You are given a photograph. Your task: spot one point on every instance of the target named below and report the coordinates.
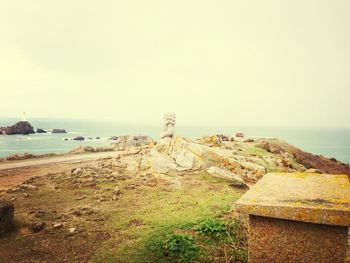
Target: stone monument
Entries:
(169, 125)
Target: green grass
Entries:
(255, 151)
(158, 211)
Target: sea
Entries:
(329, 142)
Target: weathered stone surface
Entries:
(286, 241)
(226, 175)
(121, 142)
(314, 198)
(21, 127)
(161, 163)
(6, 215)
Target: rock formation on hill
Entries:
(21, 127)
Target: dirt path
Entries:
(16, 172)
(56, 159)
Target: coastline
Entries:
(136, 189)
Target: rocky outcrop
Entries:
(309, 160)
(21, 127)
(58, 131)
(87, 149)
(6, 215)
(121, 142)
(39, 130)
(234, 179)
(79, 138)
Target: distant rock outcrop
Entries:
(309, 160)
(39, 130)
(58, 131)
(21, 127)
(79, 138)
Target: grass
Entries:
(132, 228)
(158, 211)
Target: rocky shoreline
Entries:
(143, 181)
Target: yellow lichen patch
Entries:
(309, 197)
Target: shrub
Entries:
(211, 226)
(180, 248)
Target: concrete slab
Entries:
(305, 197)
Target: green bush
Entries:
(180, 248)
(211, 226)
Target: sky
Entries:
(222, 62)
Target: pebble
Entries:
(57, 225)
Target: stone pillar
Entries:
(169, 125)
(6, 215)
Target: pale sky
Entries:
(219, 62)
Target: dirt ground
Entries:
(100, 214)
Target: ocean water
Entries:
(325, 141)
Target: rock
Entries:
(186, 159)
(79, 138)
(223, 138)
(37, 226)
(212, 141)
(186, 154)
(312, 170)
(84, 149)
(160, 163)
(57, 225)
(58, 131)
(240, 135)
(6, 215)
(249, 140)
(38, 130)
(116, 191)
(113, 138)
(21, 127)
(131, 141)
(98, 138)
(71, 230)
(76, 171)
(226, 175)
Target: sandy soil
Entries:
(16, 172)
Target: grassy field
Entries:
(148, 221)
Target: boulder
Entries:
(226, 175)
(39, 130)
(21, 127)
(160, 163)
(240, 135)
(6, 215)
(58, 131)
(79, 138)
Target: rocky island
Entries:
(21, 127)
